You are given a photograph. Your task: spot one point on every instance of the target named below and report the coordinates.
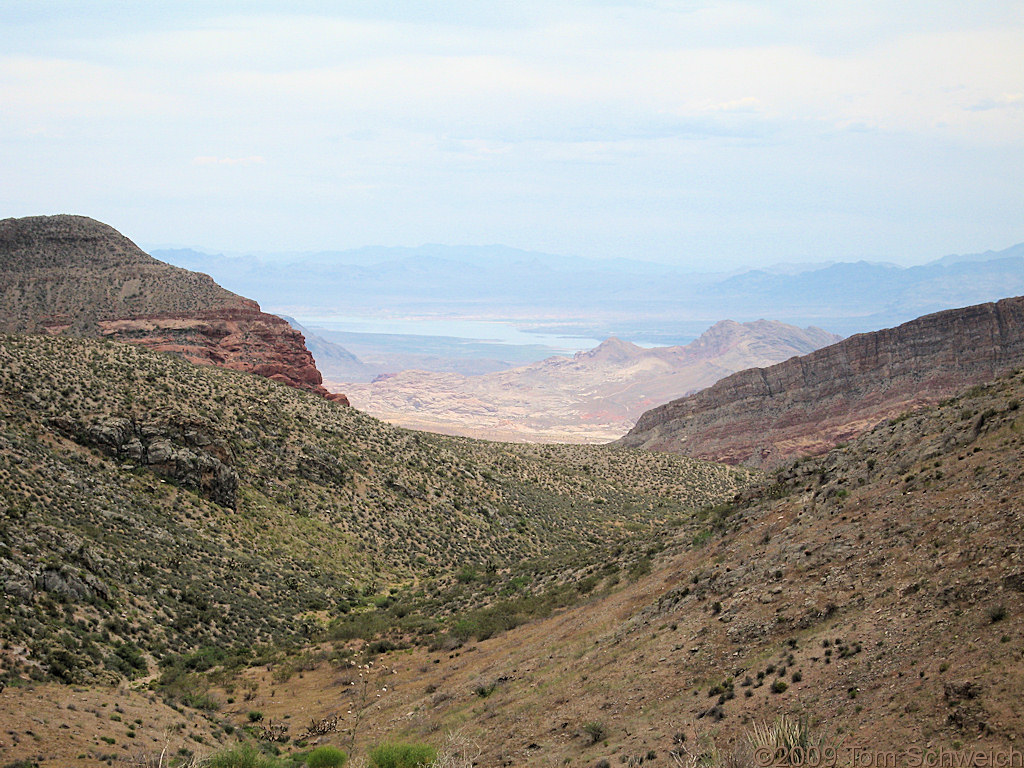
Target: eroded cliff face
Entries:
(74, 275)
(239, 339)
(765, 416)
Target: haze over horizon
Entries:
(718, 133)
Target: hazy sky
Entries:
(713, 132)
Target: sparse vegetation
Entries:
(786, 740)
(335, 511)
(595, 731)
(242, 756)
(849, 601)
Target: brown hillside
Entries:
(74, 275)
(804, 406)
(877, 592)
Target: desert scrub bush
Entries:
(363, 626)
(400, 755)
(640, 568)
(702, 538)
(595, 730)
(484, 690)
(458, 751)
(326, 757)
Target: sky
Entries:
(703, 134)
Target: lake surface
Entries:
(485, 331)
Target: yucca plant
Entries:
(784, 737)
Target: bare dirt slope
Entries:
(877, 591)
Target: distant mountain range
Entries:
(594, 396)
(633, 300)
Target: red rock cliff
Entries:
(807, 405)
(71, 274)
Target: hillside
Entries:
(172, 506)
(804, 406)
(69, 273)
(73, 275)
(877, 591)
(594, 396)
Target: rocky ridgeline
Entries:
(74, 275)
(765, 416)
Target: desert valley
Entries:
(205, 552)
(469, 384)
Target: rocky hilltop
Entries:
(74, 275)
(804, 406)
(594, 396)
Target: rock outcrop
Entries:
(74, 275)
(184, 453)
(807, 405)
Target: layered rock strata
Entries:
(763, 417)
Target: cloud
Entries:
(607, 119)
(210, 160)
(1006, 101)
(745, 104)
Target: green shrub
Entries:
(326, 757)
(243, 756)
(402, 756)
(641, 567)
(200, 700)
(483, 691)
